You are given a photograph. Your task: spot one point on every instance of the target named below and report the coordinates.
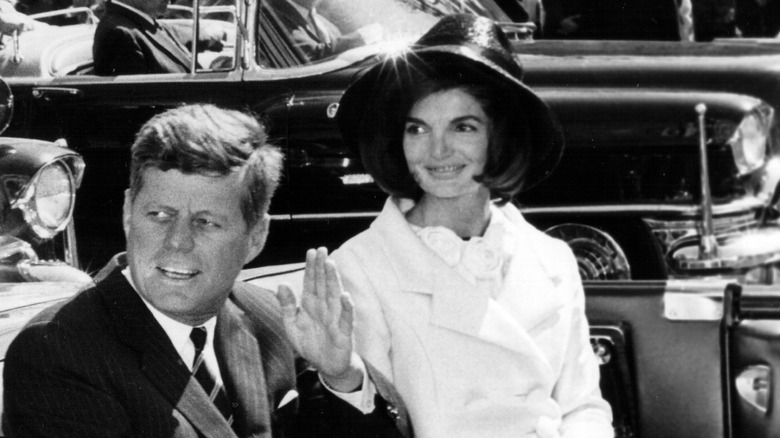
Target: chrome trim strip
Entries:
(694, 299)
(736, 206)
(310, 216)
(689, 210)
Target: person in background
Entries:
(758, 18)
(12, 21)
(316, 36)
(167, 343)
(130, 40)
(616, 19)
(477, 316)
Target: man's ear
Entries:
(127, 210)
(257, 236)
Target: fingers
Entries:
(346, 321)
(333, 286)
(321, 287)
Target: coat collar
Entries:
(159, 361)
(528, 297)
(132, 13)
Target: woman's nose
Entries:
(180, 236)
(441, 146)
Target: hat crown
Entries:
(478, 34)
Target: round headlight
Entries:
(53, 196)
(748, 144)
(48, 200)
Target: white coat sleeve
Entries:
(585, 413)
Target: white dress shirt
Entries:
(179, 334)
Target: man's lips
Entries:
(178, 274)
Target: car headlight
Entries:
(48, 200)
(748, 144)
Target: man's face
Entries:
(187, 241)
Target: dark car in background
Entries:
(38, 182)
(631, 196)
(667, 187)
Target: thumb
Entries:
(286, 300)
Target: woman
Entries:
(476, 316)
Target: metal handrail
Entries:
(91, 17)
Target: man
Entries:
(166, 343)
(313, 34)
(129, 40)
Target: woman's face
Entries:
(446, 143)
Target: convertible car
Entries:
(649, 188)
(667, 188)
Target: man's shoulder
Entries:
(119, 18)
(75, 321)
(256, 301)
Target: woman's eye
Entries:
(465, 127)
(413, 129)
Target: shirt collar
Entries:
(177, 332)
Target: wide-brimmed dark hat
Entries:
(368, 107)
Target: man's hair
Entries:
(211, 141)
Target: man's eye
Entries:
(158, 215)
(204, 222)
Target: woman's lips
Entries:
(445, 171)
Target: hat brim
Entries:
(363, 108)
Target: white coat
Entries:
(467, 365)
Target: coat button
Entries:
(392, 412)
(547, 427)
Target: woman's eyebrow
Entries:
(410, 119)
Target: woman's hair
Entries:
(509, 138)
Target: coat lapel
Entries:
(157, 35)
(241, 365)
(455, 304)
(162, 365)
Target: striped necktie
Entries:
(213, 388)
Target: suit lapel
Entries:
(241, 366)
(159, 361)
(156, 34)
(168, 43)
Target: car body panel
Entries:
(665, 376)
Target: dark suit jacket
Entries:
(127, 43)
(101, 365)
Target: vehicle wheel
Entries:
(599, 257)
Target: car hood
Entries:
(21, 301)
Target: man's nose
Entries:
(180, 236)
